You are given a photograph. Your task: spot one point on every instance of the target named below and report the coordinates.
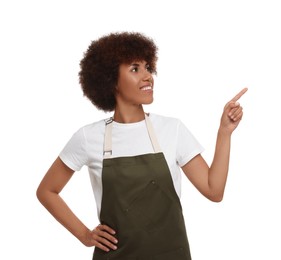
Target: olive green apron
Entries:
(140, 203)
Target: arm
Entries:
(210, 181)
(48, 194)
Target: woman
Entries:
(134, 159)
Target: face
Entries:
(135, 84)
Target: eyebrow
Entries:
(137, 64)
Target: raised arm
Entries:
(210, 181)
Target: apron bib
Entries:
(140, 203)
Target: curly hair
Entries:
(100, 65)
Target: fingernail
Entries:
(237, 103)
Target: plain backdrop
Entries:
(208, 52)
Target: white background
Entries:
(208, 51)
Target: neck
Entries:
(125, 115)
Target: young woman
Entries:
(134, 158)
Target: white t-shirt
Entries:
(86, 147)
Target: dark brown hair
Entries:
(100, 65)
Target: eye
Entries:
(135, 69)
(149, 69)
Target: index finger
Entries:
(240, 94)
(107, 228)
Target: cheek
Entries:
(127, 84)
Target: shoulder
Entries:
(165, 121)
(172, 126)
(91, 130)
(94, 127)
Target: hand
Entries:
(232, 113)
(102, 237)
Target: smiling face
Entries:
(135, 84)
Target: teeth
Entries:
(146, 88)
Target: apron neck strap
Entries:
(153, 139)
(107, 149)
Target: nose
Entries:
(148, 77)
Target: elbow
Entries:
(39, 194)
(215, 194)
(45, 195)
(216, 198)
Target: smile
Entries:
(144, 88)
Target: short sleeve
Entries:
(74, 153)
(187, 145)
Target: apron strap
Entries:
(107, 148)
(153, 139)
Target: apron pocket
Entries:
(150, 208)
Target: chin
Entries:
(147, 102)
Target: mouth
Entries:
(146, 88)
